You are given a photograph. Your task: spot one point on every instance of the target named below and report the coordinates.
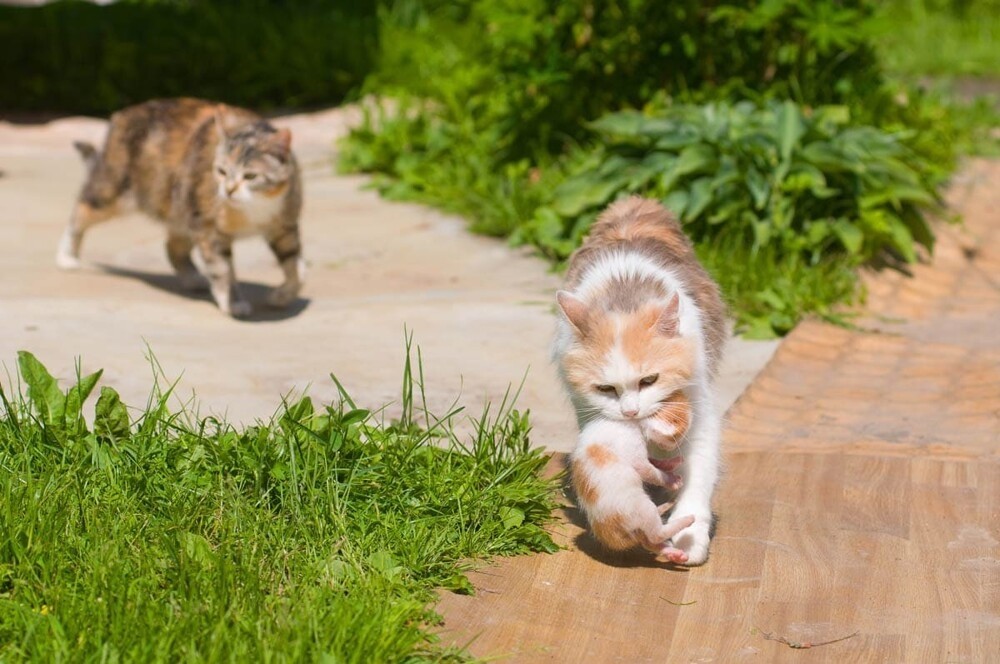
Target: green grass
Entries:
(770, 292)
(318, 536)
(937, 38)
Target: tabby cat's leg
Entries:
(100, 198)
(179, 247)
(216, 252)
(288, 250)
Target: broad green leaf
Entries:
(197, 548)
(827, 158)
(700, 198)
(356, 415)
(692, 159)
(43, 389)
(78, 394)
(759, 188)
(511, 517)
(110, 416)
(591, 189)
(676, 202)
(849, 235)
(790, 129)
(902, 239)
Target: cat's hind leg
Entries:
(101, 197)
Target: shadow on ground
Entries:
(255, 293)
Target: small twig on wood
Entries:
(800, 645)
(694, 601)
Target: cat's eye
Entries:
(249, 176)
(606, 389)
(220, 170)
(648, 380)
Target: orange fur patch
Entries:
(613, 533)
(600, 456)
(646, 349)
(276, 191)
(232, 221)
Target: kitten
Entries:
(211, 173)
(608, 469)
(641, 321)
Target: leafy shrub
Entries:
(765, 176)
(531, 72)
(78, 57)
(509, 95)
(318, 536)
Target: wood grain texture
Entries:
(862, 494)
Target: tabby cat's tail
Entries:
(88, 152)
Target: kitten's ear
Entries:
(668, 323)
(575, 310)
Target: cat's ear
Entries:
(668, 323)
(220, 121)
(575, 310)
(283, 139)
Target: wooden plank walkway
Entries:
(862, 495)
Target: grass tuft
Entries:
(319, 535)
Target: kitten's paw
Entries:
(661, 434)
(693, 541)
(283, 295)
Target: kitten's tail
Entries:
(88, 152)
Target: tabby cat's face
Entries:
(624, 367)
(253, 164)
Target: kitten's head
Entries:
(623, 366)
(251, 161)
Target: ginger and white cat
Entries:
(639, 340)
(211, 173)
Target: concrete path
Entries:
(480, 311)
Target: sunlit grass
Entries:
(154, 535)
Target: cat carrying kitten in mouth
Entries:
(639, 338)
(211, 173)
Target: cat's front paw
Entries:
(283, 295)
(693, 541)
(240, 309)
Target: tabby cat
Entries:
(211, 173)
(640, 335)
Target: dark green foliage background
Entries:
(78, 57)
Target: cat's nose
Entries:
(630, 412)
(230, 188)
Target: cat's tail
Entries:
(88, 152)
